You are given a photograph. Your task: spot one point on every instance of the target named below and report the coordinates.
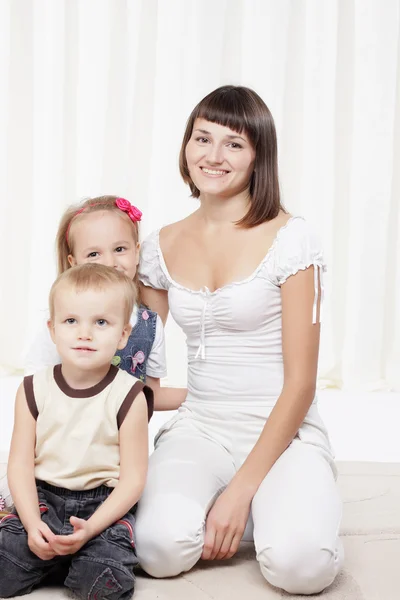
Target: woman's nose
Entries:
(215, 154)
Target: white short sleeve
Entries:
(297, 248)
(157, 361)
(41, 351)
(151, 272)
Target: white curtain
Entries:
(94, 97)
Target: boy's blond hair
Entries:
(96, 277)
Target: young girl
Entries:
(78, 457)
(104, 230)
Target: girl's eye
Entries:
(70, 321)
(93, 254)
(120, 249)
(101, 322)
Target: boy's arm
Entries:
(21, 479)
(134, 451)
(133, 441)
(21, 463)
(166, 398)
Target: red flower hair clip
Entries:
(133, 213)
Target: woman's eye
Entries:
(101, 322)
(202, 140)
(235, 145)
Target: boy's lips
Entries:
(84, 349)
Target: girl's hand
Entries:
(225, 525)
(70, 544)
(40, 538)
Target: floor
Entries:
(364, 432)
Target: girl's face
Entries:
(220, 160)
(107, 238)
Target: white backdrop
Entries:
(94, 95)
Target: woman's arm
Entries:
(300, 346)
(300, 343)
(156, 300)
(166, 398)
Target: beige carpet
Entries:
(371, 536)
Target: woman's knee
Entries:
(169, 541)
(304, 568)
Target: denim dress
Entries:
(133, 358)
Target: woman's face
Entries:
(220, 160)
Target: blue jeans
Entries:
(102, 569)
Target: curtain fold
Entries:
(94, 98)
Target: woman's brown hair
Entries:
(65, 237)
(241, 109)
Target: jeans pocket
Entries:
(122, 532)
(43, 507)
(128, 530)
(12, 523)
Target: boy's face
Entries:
(88, 326)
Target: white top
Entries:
(43, 353)
(234, 334)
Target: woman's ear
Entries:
(71, 260)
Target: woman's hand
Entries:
(225, 524)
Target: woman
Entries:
(243, 280)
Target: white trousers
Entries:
(295, 514)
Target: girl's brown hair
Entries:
(65, 237)
(241, 109)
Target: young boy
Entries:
(78, 457)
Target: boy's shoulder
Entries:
(129, 387)
(45, 374)
(127, 380)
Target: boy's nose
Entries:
(85, 334)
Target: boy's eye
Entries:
(120, 249)
(93, 254)
(70, 321)
(101, 322)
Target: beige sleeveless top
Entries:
(77, 431)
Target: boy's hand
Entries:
(70, 544)
(40, 539)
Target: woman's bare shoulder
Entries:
(173, 232)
